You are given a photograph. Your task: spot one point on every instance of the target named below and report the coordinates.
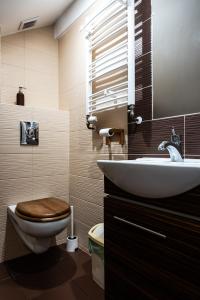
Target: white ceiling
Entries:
(12, 12)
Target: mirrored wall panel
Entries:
(175, 57)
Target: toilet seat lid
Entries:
(43, 208)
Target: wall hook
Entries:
(138, 120)
(91, 122)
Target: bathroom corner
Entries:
(86, 146)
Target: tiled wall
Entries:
(30, 59)
(145, 138)
(30, 172)
(0, 69)
(86, 181)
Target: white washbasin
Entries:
(152, 177)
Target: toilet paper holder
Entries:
(117, 133)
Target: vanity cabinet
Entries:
(150, 252)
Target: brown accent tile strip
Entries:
(143, 106)
(145, 138)
(135, 156)
(143, 61)
(192, 135)
(192, 156)
(143, 11)
(143, 38)
(143, 73)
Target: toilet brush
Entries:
(72, 240)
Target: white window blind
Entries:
(111, 66)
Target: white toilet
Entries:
(38, 221)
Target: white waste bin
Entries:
(96, 248)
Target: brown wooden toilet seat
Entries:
(43, 210)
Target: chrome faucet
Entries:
(173, 147)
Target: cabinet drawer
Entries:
(160, 249)
(154, 222)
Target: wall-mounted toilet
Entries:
(38, 221)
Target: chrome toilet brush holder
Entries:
(72, 243)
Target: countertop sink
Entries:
(152, 177)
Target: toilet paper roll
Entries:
(106, 132)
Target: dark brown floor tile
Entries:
(80, 259)
(10, 291)
(40, 272)
(86, 284)
(3, 272)
(83, 278)
(192, 135)
(55, 274)
(67, 292)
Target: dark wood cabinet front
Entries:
(150, 253)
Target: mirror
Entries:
(175, 57)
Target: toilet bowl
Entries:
(38, 221)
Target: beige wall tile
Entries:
(15, 166)
(51, 119)
(61, 238)
(52, 142)
(13, 76)
(42, 82)
(0, 72)
(82, 233)
(8, 95)
(10, 142)
(3, 218)
(15, 39)
(72, 51)
(41, 99)
(74, 97)
(11, 115)
(50, 164)
(88, 142)
(15, 190)
(85, 164)
(63, 101)
(41, 62)
(86, 212)
(30, 59)
(13, 55)
(88, 189)
(78, 118)
(50, 186)
(42, 39)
